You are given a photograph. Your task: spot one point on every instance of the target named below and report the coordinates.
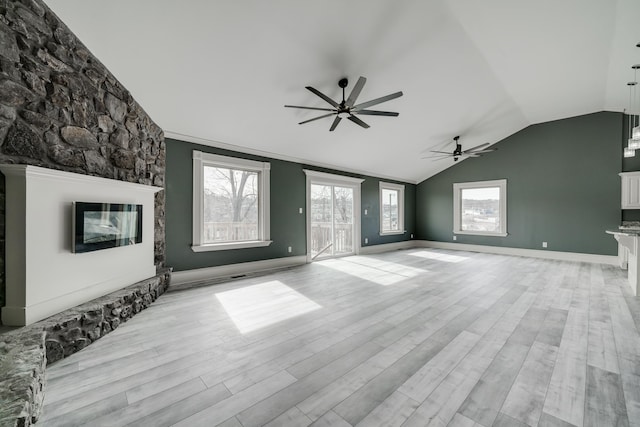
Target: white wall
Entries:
(43, 276)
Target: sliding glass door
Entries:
(331, 220)
(333, 202)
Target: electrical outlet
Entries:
(455, 237)
(289, 249)
(412, 236)
(544, 244)
(365, 211)
(366, 241)
(300, 210)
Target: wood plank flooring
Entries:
(417, 337)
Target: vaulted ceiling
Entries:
(220, 72)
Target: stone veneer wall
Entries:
(61, 108)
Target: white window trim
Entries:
(400, 189)
(200, 160)
(457, 192)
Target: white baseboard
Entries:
(227, 271)
(388, 247)
(533, 253)
(179, 278)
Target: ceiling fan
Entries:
(348, 108)
(476, 151)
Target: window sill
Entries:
(392, 233)
(480, 233)
(230, 245)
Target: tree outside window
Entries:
(230, 205)
(230, 202)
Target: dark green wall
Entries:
(562, 187)
(288, 194)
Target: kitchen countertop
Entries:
(625, 231)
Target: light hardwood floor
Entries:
(414, 338)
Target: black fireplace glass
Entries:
(105, 225)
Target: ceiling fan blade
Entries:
(444, 155)
(335, 123)
(357, 121)
(476, 147)
(317, 118)
(377, 113)
(441, 152)
(482, 151)
(376, 101)
(437, 157)
(323, 96)
(309, 108)
(355, 92)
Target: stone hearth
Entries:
(25, 352)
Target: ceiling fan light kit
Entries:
(347, 108)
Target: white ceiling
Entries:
(221, 71)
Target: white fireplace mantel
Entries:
(43, 276)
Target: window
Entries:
(230, 203)
(391, 208)
(480, 208)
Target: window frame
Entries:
(202, 159)
(400, 189)
(457, 205)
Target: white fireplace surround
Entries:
(43, 276)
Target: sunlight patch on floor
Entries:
(439, 257)
(388, 266)
(382, 273)
(258, 306)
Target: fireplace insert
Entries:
(105, 225)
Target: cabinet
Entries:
(630, 190)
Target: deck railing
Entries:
(321, 237)
(229, 231)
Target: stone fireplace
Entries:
(61, 109)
